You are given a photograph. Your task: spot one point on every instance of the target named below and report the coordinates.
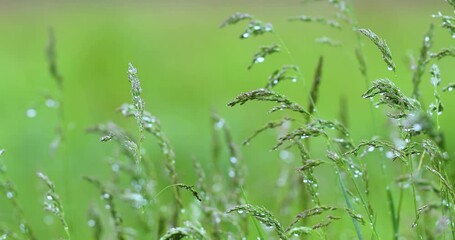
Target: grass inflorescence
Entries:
(146, 197)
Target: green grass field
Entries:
(188, 67)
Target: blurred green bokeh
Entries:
(187, 67)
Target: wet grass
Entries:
(326, 177)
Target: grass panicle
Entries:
(314, 94)
(256, 28)
(443, 53)
(362, 63)
(108, 198)
(267, 126)
(392, 96)
(267, 95)
(263, 52)
(423, 61)
(382, 46)
(191, 189)
(281, 74)
(262, 215)
(52, 58)
(53, 204)
(94, 222)
(328, 41)
(235, 18)
(151, 125)
(309, 213)
(138, 104)
(447, 22)
(236, 170)
(321, 20)
(8, 190)
(178, 233)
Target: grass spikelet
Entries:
(110, 206)
(444, 181)
(371, 145)
(183, 232)
(421, 210)
(321, 20)
(267, 95)
(358, 217)
(445, 52)
(309, 213)
(325, 223)
(382, 46)
(437, 106)
(269, 125)
(328, 41)
(309, 180)
(236, 170)
(235, 18)
(111, 131)
(263, 52)
(391, 95)
(299, 231)
(422, 62)
(190, 188)
(53, 204)
(435, 75)
(262, 215)
(281, 74)
(138, 104)
(447, 22)
(314, 94)
(256, 28)
(310, 164)
(260, 95)
(300, 133)
(361, 60)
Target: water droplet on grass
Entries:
(91, 223)
(31, 113)
(9, 195)
(259, 60)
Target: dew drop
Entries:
(417, 127)
(231, 173)
(31, 113)
(240, 211)
(245, 35)
(115, 167)
(233, 160)
(390, 68)
(371, 149)
(9, 195)
(259, 60)
(91, 223)
(50, 103)
(295, 80)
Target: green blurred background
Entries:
(187, 67)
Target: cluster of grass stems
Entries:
(219, 208)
